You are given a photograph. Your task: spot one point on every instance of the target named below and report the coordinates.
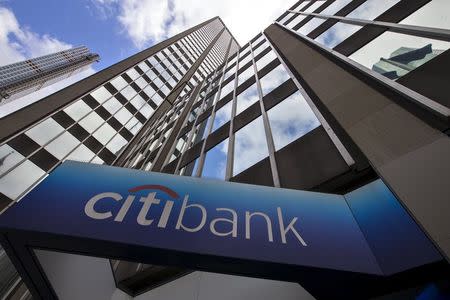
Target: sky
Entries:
(115, 29)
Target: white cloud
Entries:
(18, 43)
(149, 21)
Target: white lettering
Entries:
(148, 201)
(284, 230)
(248, 216)
(89, 207)
(184, 207)
(233, 222)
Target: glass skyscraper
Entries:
(22, 78)
(298, 106)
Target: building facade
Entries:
(22, 78)
(302, 106)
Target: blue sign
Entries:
(217, 218)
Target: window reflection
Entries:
(246, 98)
(116, 144)
(19, 179)
(190, 169)
(101, 94)
(248, 73)
(81, 153)
(77, 110)
(91, 122)
(314, 6)
(216, 161)
(265, 60)
(250, 146)
(433, 14)
(112, 105)
(62, 145)
(9, 157)
(119, 83)
(330, 10)
(273, 79)
(104, 133)
(223, 115)
(290, 119)
(44, 131)
(336, 34)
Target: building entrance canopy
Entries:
(213, 225)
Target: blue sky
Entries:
(115, 29)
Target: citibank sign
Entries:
(157, 218)
(119, 206)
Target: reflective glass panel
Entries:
(62, 145)
(223, 115)
(273, 79)
(101, 94)
(9, 157)
(434, 14)
(216, 161)
(246, 98)
(44, 131)
(77, 110)
(250, 146)
(290, 119)
(19, 179)
(336, 34)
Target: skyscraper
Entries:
(296, 107)
(22, 78)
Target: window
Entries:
(250, 146)
(290, 119)
(81, 153)
(116, 144)
(119, 83)
(101, 94)
(246, 98)
(336, 34)
(104, 133)
(265, 60)
(216, 161)
(248, 73)
(10, 158)
(330, 10)
(45, 131)
(62, 145)
(227, 89)
(91, 122)
(273, 79)
(223, 115)
(112, 105)
(19, 179)
(77, 110)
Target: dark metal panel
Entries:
(431, 79)
(309, 161)
(259, 174)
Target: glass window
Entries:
(287, 17)
(141, 82)
(112, 105)
(190, 169)
(273, 79)
(19, 179)
(44, 131)
(9, 157)
(290, 119)
(265, 60)
(216, 161)
(330, 10)
(303, 4)
(394, 55)
(116, 144)
(246, 98)
(433, 14)
(104, 133)
(296, 20)
(77, 110)
(203, 128)
(91, 122)
(138, 102)
(97, 160)
(132, 73)
(123, 115)
(248, 73)
(81, 153)
(250, 146)
(336, 34)
(101, 94)
(227, 89)
(119, 83)
(260, 49)
(146, 111)
(143, 66)
(314, 6)
(371, 9)
(128, 92)
(62, 145)
(223, 115)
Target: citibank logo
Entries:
(221, 215)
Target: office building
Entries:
(298, 107)
(22, 78)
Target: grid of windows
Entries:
(97, 127)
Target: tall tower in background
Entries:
(298, 106)
(25, 77)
